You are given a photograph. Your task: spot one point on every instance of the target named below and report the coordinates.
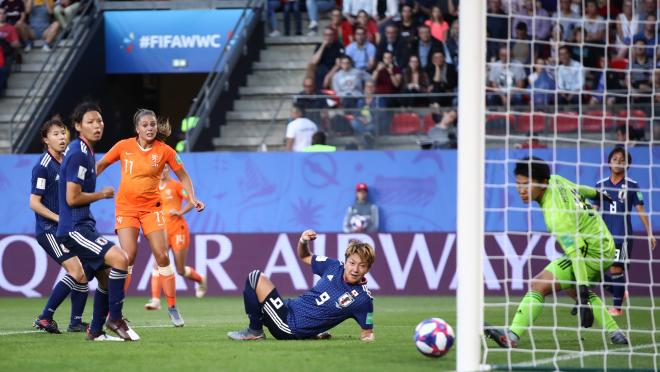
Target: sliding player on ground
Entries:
(77, 227)
(341, 293)
(172, 195)
(44, 203)
(138, 202)
(588, 247)
(616, 213)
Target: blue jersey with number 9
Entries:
(330, 301)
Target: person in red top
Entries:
(138, 204)
(437, 24)
(172, 195)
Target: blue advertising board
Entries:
(288, 192)
(166, 41)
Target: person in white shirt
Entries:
(300, 130)
(570, 78)
(351, 8)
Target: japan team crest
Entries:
(345, 300)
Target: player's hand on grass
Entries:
(108, 192)
(586, 313)
(308, 235)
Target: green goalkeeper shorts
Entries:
(562, 270)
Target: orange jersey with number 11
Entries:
(140, 173)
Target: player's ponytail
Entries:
(164, 127)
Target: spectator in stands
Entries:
(535, 18)
(576, 8)
(4, 73)
(550, 50)
(449, 10)
(313, 9)
(9, 40)
(421, 10)
(504, 79)
(300, 130)
(311, 100)
(521, 47)
(407, 26)
(570, 78)
(387, 78)
(15, 12)
(640, 79)
(578, 51)
(627, 25)
(361, 51)
(451, 46)
(594, 24)
(362, 216)
(318, 144)
(272, 6)
(649, 34)
(389, 15)
(347, 81)
(342, 27)
(426, 46)
(65, 10)
(292, 6)
(326, 56)
(39, 13)
(394, 44)
(366, 119)
(443, 78)
(542, 84)
(648, 7)
(369, 25)
(566, 18)
(351, 9)
(415, 81)
(497, 24)
(439, 27)
(443, 133)
(608, 86)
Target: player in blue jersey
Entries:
(617, 216)
(341, 293)
(44, 203)
(77, 227)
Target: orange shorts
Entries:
(149, 221)
(178, 236)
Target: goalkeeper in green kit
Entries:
(588, 252)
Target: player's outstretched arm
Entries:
(645, 221)
(303, 246)
(367, 335)
(183, 176)
(37, 206)
(75, 197)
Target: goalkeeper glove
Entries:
(602, 196)
(586, 313)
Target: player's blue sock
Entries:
(78, 301)
(100, 310)
(252, 308)
(61, 290)
(116, 281)
(618, 289)
(607, 283)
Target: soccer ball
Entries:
(358, 223)
(433, 337)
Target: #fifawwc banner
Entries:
(406, 263)
(166, 41)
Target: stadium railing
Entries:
(37, 102)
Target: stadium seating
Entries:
(597, 120)
(405, 123)
(636, 118)
(567, 122)
(497, 123)
(534, 123)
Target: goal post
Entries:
(470, 190)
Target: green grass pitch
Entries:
(202, 344)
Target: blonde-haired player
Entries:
(172, 195)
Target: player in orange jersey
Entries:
(172, 195)
(138, 202)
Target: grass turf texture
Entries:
(202, 344)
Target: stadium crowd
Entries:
(541, 54)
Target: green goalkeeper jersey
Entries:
(580, 230)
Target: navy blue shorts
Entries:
(275, 314)
(56, 251)
(622, 253)
(88, 245)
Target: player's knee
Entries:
(78, 275)
(162, 259)
(181, 271)
(119, 259)
(540, 286)
(253, 278)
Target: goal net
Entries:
(568, 83)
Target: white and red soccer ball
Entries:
(433, 337)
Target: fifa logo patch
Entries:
(345, 300)
(354, 293)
